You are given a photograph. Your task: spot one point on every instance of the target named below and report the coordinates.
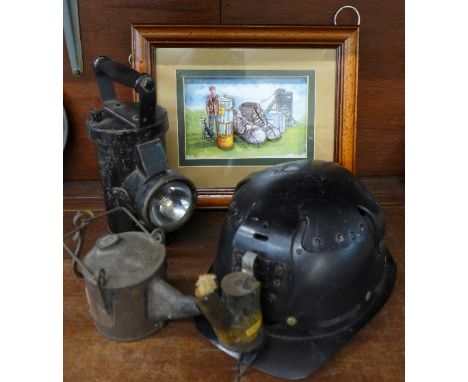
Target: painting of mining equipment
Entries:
(246, 117)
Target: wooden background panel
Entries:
(105, 30)
(380, 127)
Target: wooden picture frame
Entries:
(345, 40)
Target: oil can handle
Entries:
(108, 71)
(82, 222)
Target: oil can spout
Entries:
(167, 303)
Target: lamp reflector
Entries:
(170, 204)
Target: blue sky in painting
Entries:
(247, 89)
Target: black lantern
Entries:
(129, 139)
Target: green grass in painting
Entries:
(291, 143)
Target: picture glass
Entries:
(240, 117)
(233, 111)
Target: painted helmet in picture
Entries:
(321, 260)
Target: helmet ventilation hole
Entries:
(352, 235)
(361, 211)
(260, 236)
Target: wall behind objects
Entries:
(105, 30)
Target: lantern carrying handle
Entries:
(82, 220)
(108, 71)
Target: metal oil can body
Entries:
(127, 264)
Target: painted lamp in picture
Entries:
(225, 132)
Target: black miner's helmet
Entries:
(322, 262)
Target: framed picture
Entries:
(243, 98)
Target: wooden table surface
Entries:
(178, 352)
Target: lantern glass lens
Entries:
(170, 204)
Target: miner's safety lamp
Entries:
(129, 139)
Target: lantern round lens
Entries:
(170, 204)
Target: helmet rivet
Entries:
(317, 242)
(279, 270)
(352, 235)
(291, 321)
(271, 297)
(276, 283)
(368, 295)
(339, 237)
(299, 251)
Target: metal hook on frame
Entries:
(348, 7)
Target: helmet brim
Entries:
(296, 358)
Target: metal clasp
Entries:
(248, 262)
